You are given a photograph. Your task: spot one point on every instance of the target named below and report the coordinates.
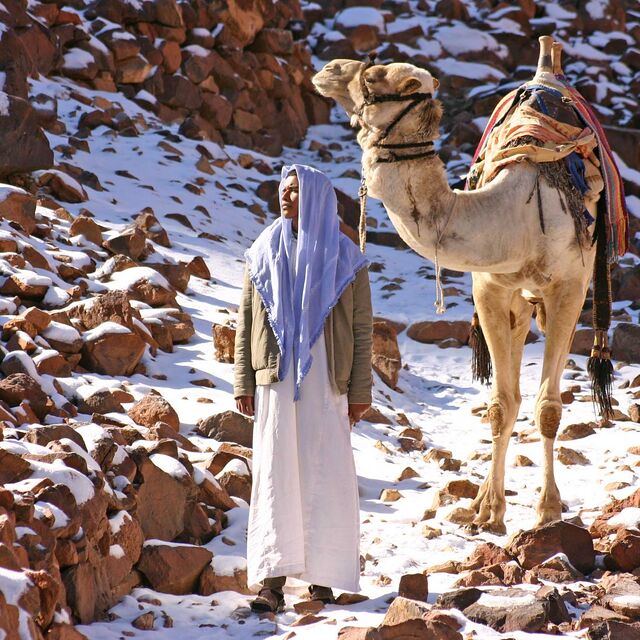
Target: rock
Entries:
(374, 415)
(162, 500)
(44, 434)
(390, 495)
(224, 341)
(533, 547)
(24, 146)
(146, 285)
(144, 621)
(235, 480)
(582, 342)
(601, 526)
(33, 287)
(130, 242)
(570, 456)
(386, 360)
(19, 387)
(87, 227)
(622, 594)
(435, 331)
(403, 609)
(18, 206)
(613, 630)
(101, 401)
(113, 306)
(212, 581)
(154, 408)
(414, 586)
(557, 569)
(626, 342)
(576, 431)
(518, 610)
(62, 338)
(13, 468)
(598, 614)
(149, 224)
(625, 550)
(112, 350)
(61, 185)
(486, 554)
(174, 568)
(177, 275)
(228, 426)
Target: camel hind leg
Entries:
(563, 305)
(502, 313)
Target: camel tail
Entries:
(481, 368)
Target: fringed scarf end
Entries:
(600, 370)
(481, 368)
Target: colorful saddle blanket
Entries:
(546, 120)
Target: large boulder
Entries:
(433, 331)
(228, 426)
(154, 408)
(112, 349)
(626, 342)
(534, 546)
(24, 146)
(173, 568)
(19, 206)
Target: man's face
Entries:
(289, 202)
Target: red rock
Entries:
(224, 339)
(414, 586)
(386, 360)
(162, 501)
(625, 550)
(111, 352)
(228, 426)
(147, 222)
(19, 206)
(435, 331)
(19, 387)
(130, 242)
(24, 145)
(154, 408)
(534, 546)
(210, 582)
(626, 342)
(173, 568)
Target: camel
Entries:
(493, 232)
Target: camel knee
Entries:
(549, 416)
(501, 416)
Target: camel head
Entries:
(404, 81)
(333, 81)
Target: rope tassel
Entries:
(481, 368)
(600, 371)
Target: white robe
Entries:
(304, 514)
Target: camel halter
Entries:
(369, 98)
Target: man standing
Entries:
(303, 368)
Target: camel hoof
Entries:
(497, 528)
(472, 529)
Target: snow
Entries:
(13, 585)
(129, 277)
(60, 517)
(494, 599)
(197, 50)
(355, 16)
(628, 518)
(4, 103)
(459, 39)
(60, 333)
(472, 70)
(77, 59)
(116, 551)
(78, 483)
(104, 329)
(169, 465)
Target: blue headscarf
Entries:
(299, 300)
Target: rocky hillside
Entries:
(125, 473)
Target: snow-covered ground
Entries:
(435, 390)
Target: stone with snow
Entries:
(18, 206)
(153, 408)
(224, 340)
(386, 358)
(228, 426)
(533, 547)
(111, 349)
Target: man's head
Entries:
(290, 198)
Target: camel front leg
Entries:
(505, 331)
(562, 307)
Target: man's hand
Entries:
(357, 410)
(245, 405)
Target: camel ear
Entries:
(409, 85)
(436, 83)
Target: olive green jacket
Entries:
(347, 333)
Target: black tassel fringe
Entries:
(481, 368)
(600, 371)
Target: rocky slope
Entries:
(121, 239)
